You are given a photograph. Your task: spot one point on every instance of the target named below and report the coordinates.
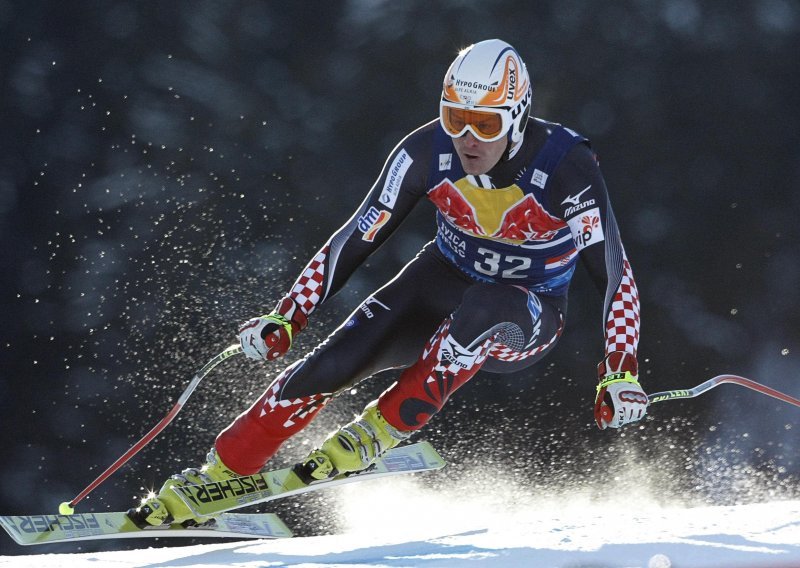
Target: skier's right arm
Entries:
(393, 195)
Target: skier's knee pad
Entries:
(486, 308)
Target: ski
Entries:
(45, 529)
(212, 499)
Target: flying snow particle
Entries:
(659, 561)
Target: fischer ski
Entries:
(212, 499)
(46, 529)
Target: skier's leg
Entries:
(386, 331)
(493, 321)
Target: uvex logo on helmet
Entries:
(502, 92)
(521, 107)
(508, 91)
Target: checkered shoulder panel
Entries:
(622, 324)
(308, 289)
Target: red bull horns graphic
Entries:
(525, 220)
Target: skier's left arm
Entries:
(581, 198)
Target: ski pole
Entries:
(718, 380)
(68, 507)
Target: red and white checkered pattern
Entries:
(292, 411)
(307, 290)
(504, 353)
(622, 325)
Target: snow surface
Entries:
(500, 529)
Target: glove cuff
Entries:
(290, 309)
(618, 362)
(625, 377)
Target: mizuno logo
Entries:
(577, 199)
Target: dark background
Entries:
(166, 169)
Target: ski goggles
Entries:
(485, 125)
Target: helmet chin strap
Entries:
(513, 147)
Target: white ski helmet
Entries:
(488, 92)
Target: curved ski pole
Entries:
(199, 376)
(718, 380)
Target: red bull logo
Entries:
(528, 221)
(505, 214)
(455, 207)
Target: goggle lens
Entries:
(485, 125)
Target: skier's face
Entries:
(478, 157)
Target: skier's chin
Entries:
(475, 165)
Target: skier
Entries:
(518, 201)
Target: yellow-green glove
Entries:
(620, 398)
(270, 336)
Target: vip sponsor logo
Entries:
(539, 178)
(33, 524)
(394, 178)
(576, 204)
(445, 162)
(371, 222)
(236, 487)
(368, 311)
(586, 229)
